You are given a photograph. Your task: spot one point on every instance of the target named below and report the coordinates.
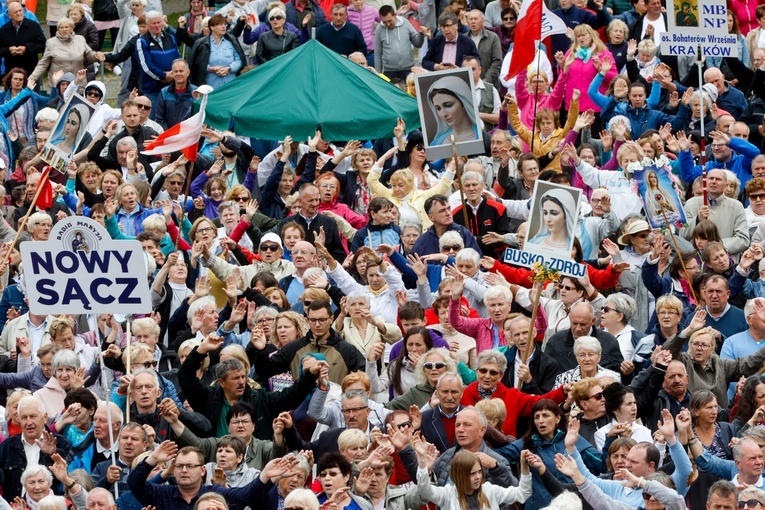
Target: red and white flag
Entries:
(183, 137)
(535, 22)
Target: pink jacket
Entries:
(52, 396)
(365, 20)
(526, 99)
(481, 329)
(745, 12)
(580, 75)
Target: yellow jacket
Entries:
(541, 148)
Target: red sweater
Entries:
(517, 403)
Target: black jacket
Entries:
(433, 429)
(141, 134)
(332, 240)
(200, 56)
(544, 369)
(208, 400)
(30, 35)
(491, 217)
(14, 461)
(561, 347)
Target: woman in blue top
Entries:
(451, 101)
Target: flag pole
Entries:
(536, 97)
(458, 176)
(22, 223)
(699, 62)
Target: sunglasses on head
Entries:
(438, 365)
(269, 247)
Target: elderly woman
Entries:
(588, 352)
(67, 52)
(669, 311)
(37, 481)
(491, 366)
(615, 318)
(430, 367)
(714, 435)
(277, 41)
(621, 407)
(468, 262)
(62, 334)
(216, 68)
(352, 444)
(39, 225)
(706, 370)
(358, 326)
(67, 375)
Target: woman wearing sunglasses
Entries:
(277, 41)
(751, 498)
(491, 366)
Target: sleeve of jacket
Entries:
(712, 464)
(603, 279)
(195, 393)
(429, 60)
(37, 43)
(655, 284)
(196, 422)
(740, 240)
(207, 445)
(612, 355)
(145, 61)
(492, 73)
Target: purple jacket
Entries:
(437, 337)
(365, 20)
(211, 206)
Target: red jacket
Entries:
(601, 279)
(517, 403)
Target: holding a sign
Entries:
(553, 224)
(80, 269)
(660, 199)
(71, 126)
(695, 24)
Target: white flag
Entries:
(551, 23)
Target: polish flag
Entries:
(44, 199)
(183, 137)
(535, 22)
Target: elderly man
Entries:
(539, 371)
(561, 345)
(438, 422)
(484, 215)
(133, 441)
(190, 474)
(470, 427)
(663, 386)
(485, 94)
(56, 209)
(21, 40)
(439, 212)
(489, 48)
(744, 470)
(28, 325)
(339, 35)
(97, 445)
(747, 342)
(157, 50)
(101, 499)
(342, 356)
(725, 318)
(448, 49)
(734, 154)
(174, 101)
(241, 420)
(600, 222)
(271, 254)
(727, 213)
(394, 55)
(729, 98)
(215, 401)
(33, 446)
(312, 222)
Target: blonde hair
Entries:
(59, 325)
(405, 176)
(136, 349)
(596, 45)
(647, 46)
(350, 438)
(494, 409)
(298, 320)
(236, 351)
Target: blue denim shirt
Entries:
(225, 55)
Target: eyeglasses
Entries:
(277, 18)
(318, 320)
(597, 396)
(508, 18)
(353, 409)
(265, 320)
(484, 371)
(402, 426)
(241, 199)
(751, 503)
(185, 467)
(447, 26)
(700, 346)
(758, 196)
(294, 508)
(93, 93)
(148, 364)
(143, 107)
(269, 247)
(565, 287)
(203, 230)
(453, 247)
(240, 422)
(668, 312)
(438, 365)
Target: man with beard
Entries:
(133, 441)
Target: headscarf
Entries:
(461, 91)
(319, 357)
(566, 201)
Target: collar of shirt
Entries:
(337, 29)
(308, 220)
(105, 451)
(717, 318)
(441, 410)
(44, 325)
(447, 41)
(24, 442)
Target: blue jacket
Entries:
(546, 450)
(428, 241)
(374, 235)
(738, 285)
(642, 119)
(6, 109)
(733, 101)
(156, 61)
(131, 223)
(12, 297)
(32, 380)
(658, 285)
(172, 108)
(740, 163)
(609, 104)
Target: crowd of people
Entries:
(333, 324)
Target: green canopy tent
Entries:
(310, 85)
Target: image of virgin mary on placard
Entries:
(661, 199)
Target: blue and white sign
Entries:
(695, 24)
(81, 269)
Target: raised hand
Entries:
(167, 450)
(572, 435)
(47, 443)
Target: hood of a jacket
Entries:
(98, 85)
(67, 77)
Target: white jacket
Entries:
(384, 304)
(446, 497)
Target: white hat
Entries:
(634, 228)
(711, 89)
(274, 238)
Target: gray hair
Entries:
(411, 224)
(31, 400)
(481, 417)
(302, 462)
(65, 21)
(492, 356)
(419, 369)
(33, 470)
(449, 376)
(228, 204)
(153, 15)
(47, 114)
(357, 295)
(498, 291)
(265, 310)
(587, 343)
(356, 393)
(127, 140)
(737, 448)
(224, 367)
(302, 497)
(101, 490)
(152, 373)
(468, 255)
(65, 358)
(757, 432)
(154, 222)
(472, 176)
(198, 305)
(624, 305)
(52, 502)
(117, 414)
(38, 218)
(450, 237)
(749, 306)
